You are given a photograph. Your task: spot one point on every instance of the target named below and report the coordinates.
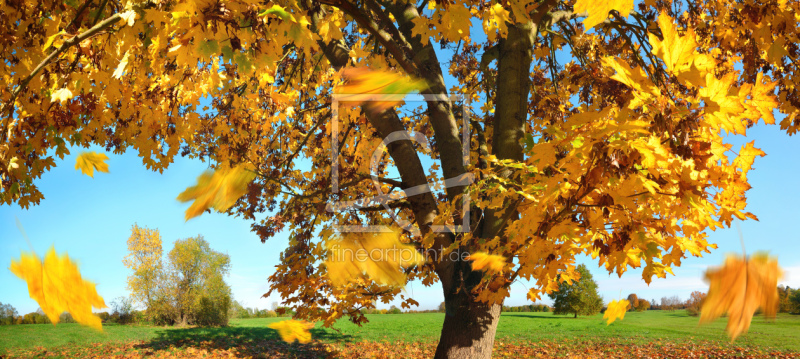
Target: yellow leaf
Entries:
(597, 11)
(496, 21)
(52, 38)
(489, 262)
(129, 17)
(378, 255)
(218, 189)
(87, 162)
(739, 288)
(616, 309)
(121, 67)
(61, 95)
(291, 330)
(57, 286)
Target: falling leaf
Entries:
(61, 95)
(378, 255)
(291, 330)
(597, 11)
(218, 189)
(57, 286)
(739, 288)
(388, 87)
(121, 67)
(616, 309)
(87, 162)
(485, 261)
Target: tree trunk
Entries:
(469, 328)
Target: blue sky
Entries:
(91, 218)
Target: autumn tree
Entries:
(694, 303)
(201, 294)
(785, 304)
(577, 296)
(594, 127)
(148, 284)
(643, 305)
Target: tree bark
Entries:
(469, 328)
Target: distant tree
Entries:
(8, 314)
(122, 310)
(198, 272)
(653, 304)
(186, 288)
(578, 298)
(642, 305)
(395, 310)
(441, 308)
(633, 301)
(785, 304)
(148, 282)
(794, 300)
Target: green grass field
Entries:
(675, 327)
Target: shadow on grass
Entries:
(253, 341)
(550, 316)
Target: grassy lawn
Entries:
(637, 328)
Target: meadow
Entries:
(667, 334)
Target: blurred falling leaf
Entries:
(488, 262)
(378, 255)
(291, 330)
(218, 189)
(87, 162)
(57, 286)
(616, 309)
(394, 86)
(739, 288)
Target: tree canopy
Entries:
(595, 128)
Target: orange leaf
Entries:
(488, 262)
(739, 288)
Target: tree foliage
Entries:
(577, 296)
(8, 314)
(188, 288)
(599, 127)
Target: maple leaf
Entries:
(597, 11)
(616, 309)
(388, 87)
(218, 189)
(489, 262)
(378, 255)
(739, 288)
(61, 95)
(57, 286)
(291, 330)
(87, 162)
